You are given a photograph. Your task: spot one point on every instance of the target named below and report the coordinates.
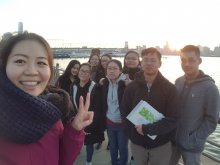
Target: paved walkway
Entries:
(102, 157)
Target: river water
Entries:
(171, 69)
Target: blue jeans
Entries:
(189, 158)
(89, 152)
(118, 143)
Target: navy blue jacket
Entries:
(163, 96)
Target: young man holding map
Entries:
(150, 142)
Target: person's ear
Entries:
(160, 64)
(200, 60)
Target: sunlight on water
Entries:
(170, 68)
(210, 149)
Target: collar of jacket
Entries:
(141, 79)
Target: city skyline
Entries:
(104, 23)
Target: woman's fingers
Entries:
(87, 101)
(82, 106)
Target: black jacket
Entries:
(99, 73)
(100, 100)
(65, 83)
(94, 133)
(163, 97)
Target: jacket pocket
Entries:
(195, 141)
(188, 140)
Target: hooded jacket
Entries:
(199, 111)
(101, 97)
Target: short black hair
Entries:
(190, 48)
(132, 51)
(95, 51)
(150, 50)
(117, 63)
(107, 55)
(86, 64)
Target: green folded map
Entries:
(144, 112)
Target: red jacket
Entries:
(58, 146)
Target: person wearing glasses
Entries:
(151, 86)
(81, 88)
(109, 94)
(131, 67)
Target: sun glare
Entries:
(111, 23)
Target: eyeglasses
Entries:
(105, 60)
(152, 61)
(188, 61)
(131, 58)
(84, 71)
(94, 59)
(113, 69)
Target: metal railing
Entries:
(214, 145)
(56, 73)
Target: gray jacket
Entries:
(200, 105)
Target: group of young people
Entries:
(37, 123)
(105, 79)
(41, 124)
(187, 110)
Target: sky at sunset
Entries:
(109, 23)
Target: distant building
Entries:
(216, 51)
(6, 35)
(20, 27)
(126, 45)
(204, 50)
(140, 48)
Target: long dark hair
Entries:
(67, 72)
(107, 55)
(94, 52)
(130, 51)
(10, 43)
(131, 71)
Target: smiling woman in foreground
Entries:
(32, 129)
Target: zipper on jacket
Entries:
(148, 89)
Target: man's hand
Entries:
(139, 129)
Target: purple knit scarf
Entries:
(24, 119)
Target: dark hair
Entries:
(117, 62)
(95, 51)
(72, 63)
(131, 51)
(151, 50)
(67, 73)
(13, 40)
(86, 64)
(190, 48)
(92, 56)
(107, 55)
